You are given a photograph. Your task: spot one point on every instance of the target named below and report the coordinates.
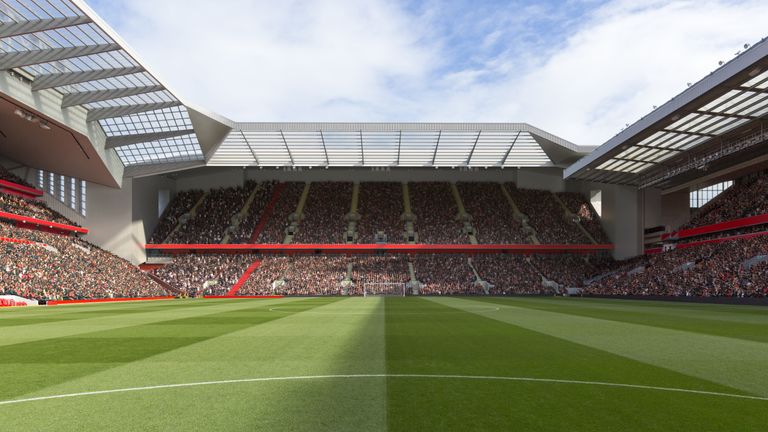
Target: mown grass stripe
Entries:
(43, 363)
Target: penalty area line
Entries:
(369, 376)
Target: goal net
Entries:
(383, 289)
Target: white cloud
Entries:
(374, 60)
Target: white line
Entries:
(282, 309)
(427, 376)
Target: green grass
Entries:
(375, 364)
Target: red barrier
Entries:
(377, 248)
(267, 212)
(251, 268)
(718, 227)
(20, 190)
(654, 251)
(105, 300)
(244, 297)
(150, 267)
(29, 222)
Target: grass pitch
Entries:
(375, 364)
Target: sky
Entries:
(580, 69)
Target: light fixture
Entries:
(44, 125)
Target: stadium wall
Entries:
(212, 177)
(121, 220)
(621, 215)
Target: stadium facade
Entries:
(110, 144)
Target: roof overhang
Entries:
(63, 52)
(704, 127)
(393, 145)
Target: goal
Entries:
(383, 289)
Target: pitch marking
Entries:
(417, 376)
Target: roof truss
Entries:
(11, 60)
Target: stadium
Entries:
(164, 267)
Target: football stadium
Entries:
(166, 268)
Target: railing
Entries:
(718, 227)
(674, 246)
(42, 225)
(19, 190)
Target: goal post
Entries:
(384, 289)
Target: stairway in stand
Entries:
(252, 268)
(267, 213)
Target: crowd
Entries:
(436, 211)
(709, 270)
(297, 276)
(57, 267)
(274, 231)
(213, 216)
(13, 178)
(547, 217)
(181, 204)
(509, 274)
(492, 216)
(380, 206)
(565, 270)
(375, 274)
(324, 213)
(31, 208)
(445, 275)
(261, 198)
(205, 274)
(747, 197)
(577, 204)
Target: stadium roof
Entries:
(63, 45)
(712, 119)
(394, 145)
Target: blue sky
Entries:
(581, 69)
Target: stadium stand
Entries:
(579, 205)
(214, 216)
(172, 215)
(254, 212)
(41, 265)
(323, 216)
(492, 216)
(275, 229)
(710, 270)
(444, 275)
(198, 275)
(31, 208)
(380, 208)
(747, 197)
(509, 274)
(13, 178)
(546, 216)
(436, 213)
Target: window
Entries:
(62, 190)
(73, 193)
(51, 184)
(83, 207)
(704, 195)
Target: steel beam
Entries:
(124, 110)
(124, 140)
(10, 60)
(82, 98)
(10, 29)
(47, 81)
